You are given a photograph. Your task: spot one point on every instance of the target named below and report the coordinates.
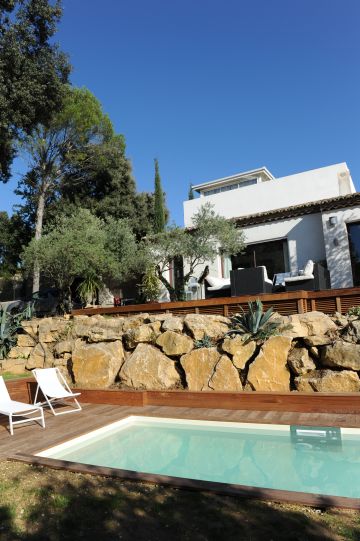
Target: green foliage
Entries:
(254, 324)
(150, 285)
(89, 286)
(159, 204)
(13, 234)
(32, 71)
(205, 342)
(9, 325)
(81, 245)
(354, 311)
(198, 245)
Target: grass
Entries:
(11, 375)
(40, 504)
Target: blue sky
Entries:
(212, 88)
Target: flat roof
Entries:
(238, 176)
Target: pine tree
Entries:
(159, 203)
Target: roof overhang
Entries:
(239, 176)
(313, 207)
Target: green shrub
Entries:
(205, 342)
(354, 311)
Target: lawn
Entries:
(38, 504)
(12, 375)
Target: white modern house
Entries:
(314, 215)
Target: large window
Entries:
(354, 244)
(235, 186)
(272, 254)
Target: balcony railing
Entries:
(296, 302)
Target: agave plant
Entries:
(9, 325)
(254, 324)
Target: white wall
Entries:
(314, 185)
(304, 235)
(337, 245)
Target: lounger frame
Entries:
(59, 400)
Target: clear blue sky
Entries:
(212, 88)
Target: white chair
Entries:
(54, 387)
(11, 408)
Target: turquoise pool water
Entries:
(302, 459)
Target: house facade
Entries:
(289, 220)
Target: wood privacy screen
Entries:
(295, 302)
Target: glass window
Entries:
(272, 254)
(354, 245)
(234, 186)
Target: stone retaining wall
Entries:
(314, 352)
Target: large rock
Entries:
(41, 356)
(31, 327)
(199, 366)
(225, 377)
(300, 362)
(173, 324)
(327, 381)
(50, 328)
(96, 365)
(135, 321)
(314, 323)
(173, 343)
(143, 333)
(148, 368)
(241, 350)
(351, 333)
(341, 355)
(317, 340)
(211, 326)
(15, 366)
(98, 328)
(64, 346)
(269, 371)
(19, 352)
(25, 341)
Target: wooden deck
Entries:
(30, 439)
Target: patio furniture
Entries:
(55, 389)
(216, 287)
(11, 408)
(313, 278)
(250, 281)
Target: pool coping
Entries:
(244, 491)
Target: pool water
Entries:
(316, 460)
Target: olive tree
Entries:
(82, 246)
(200, 244)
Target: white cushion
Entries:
(218, 288)
(298, 278)
(213, 281)
(309, 268)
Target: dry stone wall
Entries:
(313, 352)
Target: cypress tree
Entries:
(191, 193)
(159, 203)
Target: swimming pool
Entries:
(315, 460)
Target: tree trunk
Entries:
(171, 290)
(38, 232)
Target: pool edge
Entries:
(243, 491)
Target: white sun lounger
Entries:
(55, 389)
(11, 408)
